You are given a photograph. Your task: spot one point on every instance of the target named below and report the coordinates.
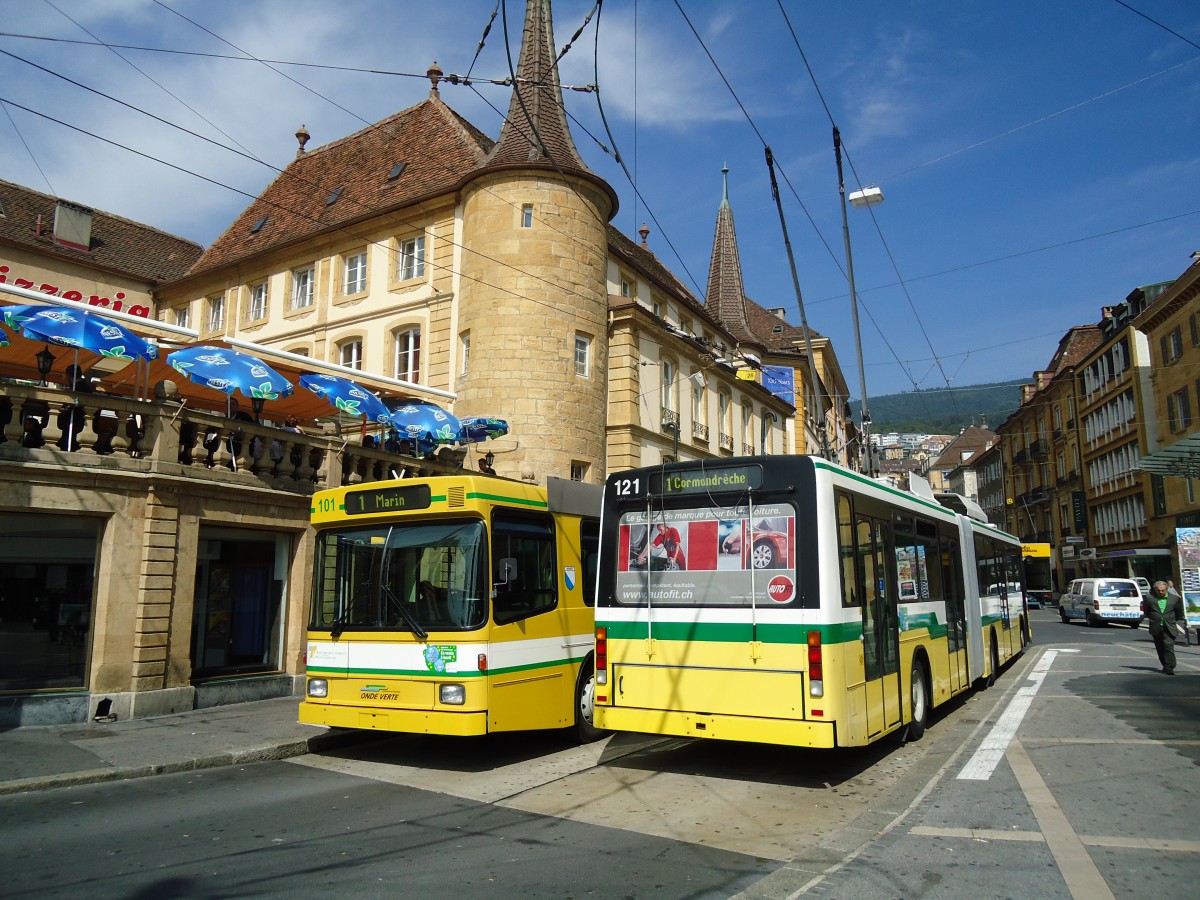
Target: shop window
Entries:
(46, 597)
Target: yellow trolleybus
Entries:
(458, 605)
(788, 600)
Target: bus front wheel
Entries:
(585, 706)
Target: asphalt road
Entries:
(1074, 776)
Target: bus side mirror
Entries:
(507, 571)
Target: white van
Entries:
(1101, 600)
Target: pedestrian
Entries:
(1165, 616)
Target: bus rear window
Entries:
(708, 557)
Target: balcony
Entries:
(700, 432)
(1038, 449)
(670, 420)
(747, 449)
(137, 439)
(1020, 456)
(726, 441)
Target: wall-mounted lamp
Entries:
(45, 362)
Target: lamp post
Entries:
(869, 196)
(256, 403)
(45, 362)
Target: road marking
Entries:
(1107, 841)
(981, 766)
(1083, 879)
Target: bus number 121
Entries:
(627, 487)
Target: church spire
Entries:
(726, 296)
(537, 122)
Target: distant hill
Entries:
(942, 411)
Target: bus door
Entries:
(956, 616)
(880, 625)
(526, 675)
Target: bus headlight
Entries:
(452, 694)
(318, 687)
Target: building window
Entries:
(583, 355)
(668, 385)
(302, 288)
(412, 258)
(527, 215)
(465, 353)
(1179, 410)
(1171, 345)
(656, 308)
(356, 273)
(697, 381)
(183, 316)
(216, 312)
(258, 302)
(626, 291)
(350, 354)
(408, 355)
(579, 471)
(747, 430)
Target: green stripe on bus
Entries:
(518, 501)
(426, 673)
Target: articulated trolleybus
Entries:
(788, 600)
(456, 605)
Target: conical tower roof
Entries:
(726, 296)
(537, 122)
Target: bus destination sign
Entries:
(387, 499)
(709, 479)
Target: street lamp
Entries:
(869, 196)
(45, 362)
(256, 403)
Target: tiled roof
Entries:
(1074, 346)
(644, 261)
(726, 295)
(973, 438)
(537, 100)
(774, 333)
(435, 145)
(118, 245)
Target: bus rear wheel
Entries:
(919, 686)
(585, 706)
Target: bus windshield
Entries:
(418, 576)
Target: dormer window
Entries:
(259, 225)
(397, 171)
(333, 198)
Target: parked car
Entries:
(1145, 587)
(1099, 601)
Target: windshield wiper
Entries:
(405, 612)
(339, 624)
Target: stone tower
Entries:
(533, 280)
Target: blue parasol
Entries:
(480, 428)
(347, 397)
(228, 371)
(425, 424)
(81, 329)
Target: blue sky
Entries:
(1038, 160)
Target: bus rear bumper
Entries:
(408, 721)
(789, 732)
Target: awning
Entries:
(1181, 459)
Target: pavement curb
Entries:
(284, 750)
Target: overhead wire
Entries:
(816, 85)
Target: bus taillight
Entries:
(482, 660)
(601, 655)
(816, 674)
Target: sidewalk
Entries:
(37, 758)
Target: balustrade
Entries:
(44, 424)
